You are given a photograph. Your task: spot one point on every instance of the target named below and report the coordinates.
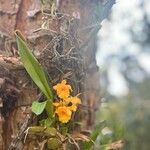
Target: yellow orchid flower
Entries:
(74, 100)
(64, 114)
(63, 90)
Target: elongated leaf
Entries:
(32, 66)
(95, 133)
(49, 108)
(38, 107)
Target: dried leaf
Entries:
(79, 136)
(116, 145)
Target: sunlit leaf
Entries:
(38, 107)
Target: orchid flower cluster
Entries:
(67, 104)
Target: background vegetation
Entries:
(123, 57)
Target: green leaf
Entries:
(46, 122)
(32, 66)
(49, 108)
(38, 107)
(95, 133)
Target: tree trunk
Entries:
(66, 48)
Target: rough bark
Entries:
(66, 50)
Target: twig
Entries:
(39, 29)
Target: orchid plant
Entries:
(53, 128)
(58, 111)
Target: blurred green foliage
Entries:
(128, 116)
(128, 120)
